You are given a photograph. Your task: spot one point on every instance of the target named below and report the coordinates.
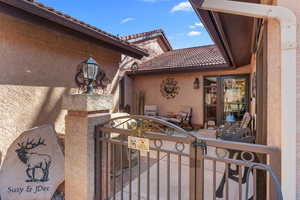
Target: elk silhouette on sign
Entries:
(37, 164)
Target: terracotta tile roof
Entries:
(51, 14)
(195, 58)
(139, 35)
(135, 38)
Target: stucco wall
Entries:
(150, 84)
(38, 64)
(154, 48)
(274, 84)
(274, 70)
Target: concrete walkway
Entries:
(220, 168)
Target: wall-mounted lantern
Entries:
(196, 83)
(91, 76)
(90, 70)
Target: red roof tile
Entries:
(195, 58)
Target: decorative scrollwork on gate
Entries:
(179, 146)
(233, 169)
(222, 153)
(158, 143)
(139, 125)
(247, 156)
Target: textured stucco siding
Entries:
(38, 63)
(274, 84)
(154, 48)
(188, 96)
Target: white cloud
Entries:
(194, 33)
(183, 6)
(195, 25)
(128, 19)
(199, 24)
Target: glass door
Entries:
(235, 100)
(210, 100)
(226, 99)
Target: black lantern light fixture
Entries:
(91, 76)
(196, 83)
(90, 71)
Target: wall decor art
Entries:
(169, 88)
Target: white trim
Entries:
(288, 25)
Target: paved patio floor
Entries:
(220, 168)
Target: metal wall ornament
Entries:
(100, 83)
(169, 88)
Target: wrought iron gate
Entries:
(179, 165)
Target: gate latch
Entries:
(201, 144)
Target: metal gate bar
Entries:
(203, 155)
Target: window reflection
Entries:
(235, 104)
(225, 99)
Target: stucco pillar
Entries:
(84, 113)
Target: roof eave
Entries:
(214, 33)
(43, 13)
(167, 41)
(229, 38)
(188, 69)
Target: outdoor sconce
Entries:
(90, 76)
(89, 72)
(196, 83)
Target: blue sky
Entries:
(125, 17)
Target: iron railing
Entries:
(179, 165)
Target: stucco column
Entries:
(84, 113)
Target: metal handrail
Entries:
(179, 130)
(274, 178)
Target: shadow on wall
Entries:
(41, 53)
(50, 109)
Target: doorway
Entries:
(226, 98)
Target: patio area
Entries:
(168, 176)
(223, 109)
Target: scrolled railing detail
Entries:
(158, 143)
(142, 126)
(179, 146)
